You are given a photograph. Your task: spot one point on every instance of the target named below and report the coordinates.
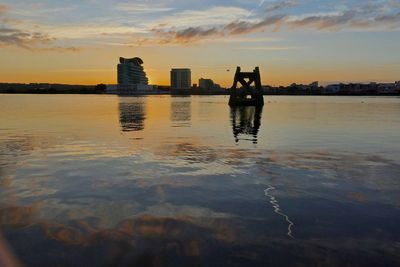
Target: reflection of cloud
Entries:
(5, 181)
(330, 170)
(174, 211)
(19, 146)
(18, 216)
(190, 152)
(200, 159)
(14, 148)
(158, 238)
(196, 154)
(357, 196)
(151, 241)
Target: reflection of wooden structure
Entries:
(247, 95)
(246, 122)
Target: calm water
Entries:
(186, 181)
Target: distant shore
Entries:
(372, 89)
(186, 94)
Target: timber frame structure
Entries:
(247, 95)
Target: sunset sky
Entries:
(80, 41)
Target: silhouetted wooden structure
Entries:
(247, 95)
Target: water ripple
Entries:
(277, 209)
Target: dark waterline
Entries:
(188, 181)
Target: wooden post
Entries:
(247, 94)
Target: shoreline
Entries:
(186, 94)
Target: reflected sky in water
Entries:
(188, 181)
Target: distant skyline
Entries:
(80, 42)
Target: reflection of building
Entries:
(181, 110)
(181, 79)
(132, 114)
(246, 121)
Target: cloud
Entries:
(281, 5)
(272, 48)
(214, 16)
(244, 27)
(186, 35)
(16, 37)
(90, 30)
(392, 18)
(193, 34)
(192, 26)
(60, 49)
(387, 21)
(347, 19)
(86, 70)
(246, 39)
(323, 21)
(179, 25)
(368, 16)
(3, 8)
(141, 8)
(11, 37)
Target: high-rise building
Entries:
(130, 72)
(181, 78)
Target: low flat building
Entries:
(332, 89)
(388, 88)
(206, 84)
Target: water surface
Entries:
(187, 181)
